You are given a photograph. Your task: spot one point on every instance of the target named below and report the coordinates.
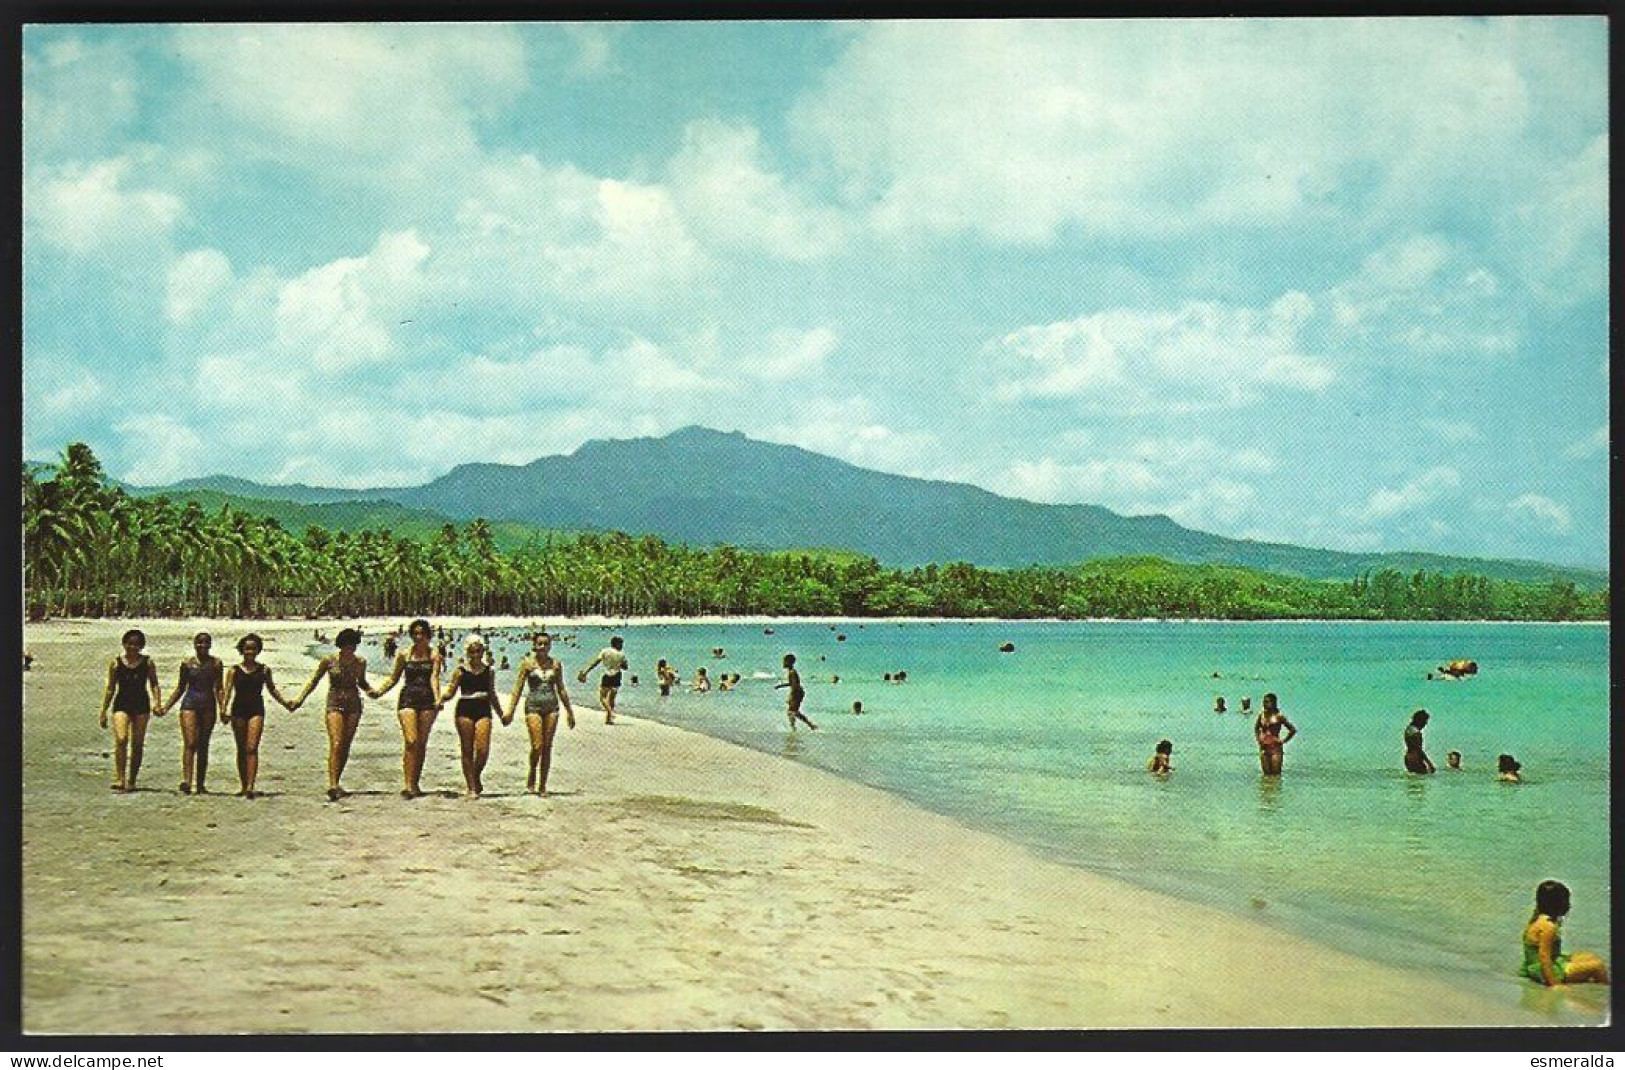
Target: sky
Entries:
(1341, 283)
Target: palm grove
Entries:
(92, 549)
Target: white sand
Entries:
(672, 882)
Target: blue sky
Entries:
(1340, 283)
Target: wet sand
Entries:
(671, 882)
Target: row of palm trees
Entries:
(93, 549)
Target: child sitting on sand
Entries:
(1543, 958)
(1161, 760)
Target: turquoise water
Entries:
(1048, 746)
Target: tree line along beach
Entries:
(94, 549)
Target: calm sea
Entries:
(1048, 745)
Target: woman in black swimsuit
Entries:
(475, 683)
(346, 679)
(244, 707)
(129, 677)
(419, 702)
(200, 693)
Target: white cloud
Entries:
(1193, 480)
(88, 208)
(595, 46)
(732, 200)
(1562, 231)
(1454, 432)
(56, 387)
(195, 280)
(1216, 502)
(1387, 502)
(338, 315)
(1016, 129)
(1095, 482)
(792, 354)
(525, 226)
(387, 105)
(848, 427)
(1201, 355)
(1420, 295)
(1551, 515)
(77, 94)
(158, 448)
(1590, 446)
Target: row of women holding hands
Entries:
(208, 691)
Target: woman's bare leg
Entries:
(409, 749)
(256, 729)
(550, 725)
(121, 750)
(340, 731)
(420, 758)
(465, 739)
(482, 752)
(138, 744)
(533, 723)
(205, 733)
(188, 720)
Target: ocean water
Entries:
(1048, 746)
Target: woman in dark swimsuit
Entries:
(129, 677)
(544, 675)
(244, 706)
(201, 694)
(419, 702)
(346, 679)
(1267, 730)
(475, 683)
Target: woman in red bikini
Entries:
(1267, 730)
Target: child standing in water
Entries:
(1543, 958)
(1162, 760)
(797, 693)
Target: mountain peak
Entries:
(699, 433)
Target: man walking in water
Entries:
(613, 659)
(797, 693)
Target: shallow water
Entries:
(1048, 746)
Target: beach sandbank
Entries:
(672, 882)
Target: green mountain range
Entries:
(707, 487)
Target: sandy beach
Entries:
(671, 882)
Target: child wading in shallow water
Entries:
(1543, 958)
(797, 694)
(1162, 761)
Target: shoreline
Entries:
(807, 900)
(224, 625)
